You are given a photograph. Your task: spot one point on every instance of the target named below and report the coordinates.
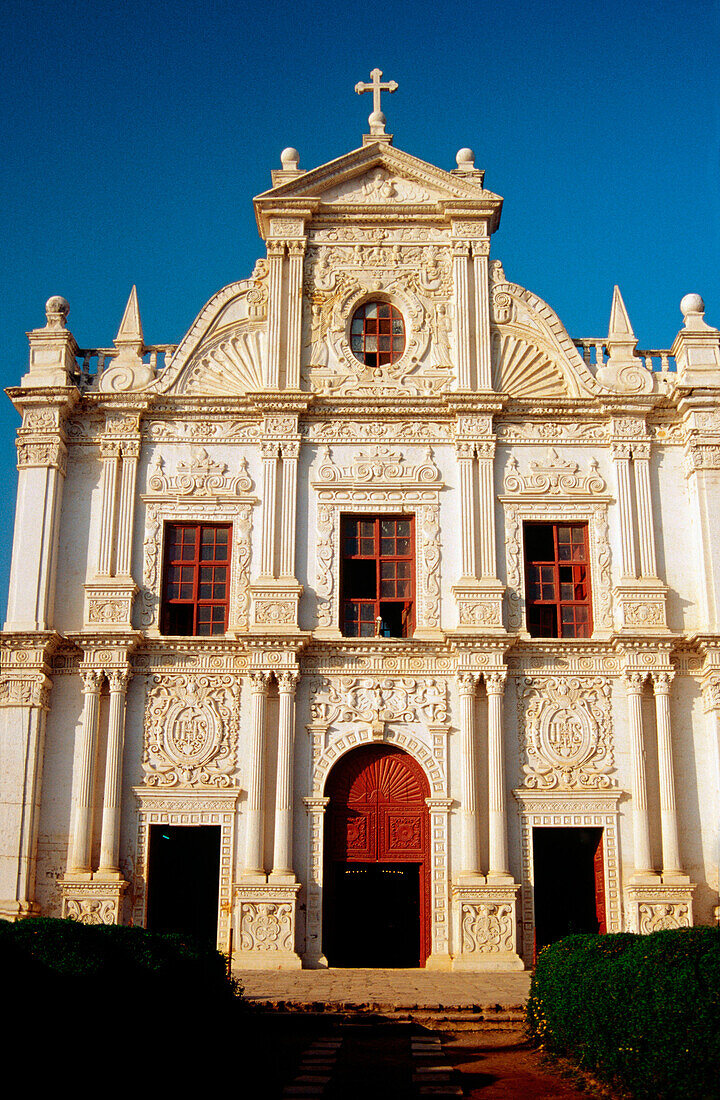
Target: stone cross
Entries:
(377, 118)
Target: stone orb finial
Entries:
(465, 159)
(692, 303)
(56, 311)
(290, 159)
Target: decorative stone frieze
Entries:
(93, 902)
(265, 926)
(657, 908)
(486, 928)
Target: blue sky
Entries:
(135, 135)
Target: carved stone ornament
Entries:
(378, 431)
(25, 691)
(266, 926)
(486, 927)
(366, 699)
(377, 465)
(92, 902)
(191, 730)
(91, 910)
(554, 476)
(566, 732)
(201, 476)
(662, 916)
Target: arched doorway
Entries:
(377, 861)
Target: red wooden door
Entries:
(378, 814)
(599, 869)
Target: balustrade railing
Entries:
(658, 360)
(93, 361)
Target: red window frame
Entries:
(196, 579)
(377, 334)
(377, 579)
(557, 580)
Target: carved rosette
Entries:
(191, 731)
(566, 732)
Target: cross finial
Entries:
(377, 119)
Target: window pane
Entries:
(403, 546)
(371, 309)
(387, 546)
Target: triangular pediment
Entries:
(380, 174)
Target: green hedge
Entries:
(642, 1012)
(63, 962)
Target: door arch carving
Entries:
(377, 841)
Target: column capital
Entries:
(290, 448)
(119, 678)
(269, 449)
(460, 249)
(287, 681)
(92, 679)
(464, 451)
(481, 248)
(621, 450)
(634, 682)
(467, 682)
(296, 247)
(662, 681)
(259, 682)
(275, 248)
(495, 681)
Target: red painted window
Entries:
(557, 580)
(377, 334)
(196, 579)
(378, 576)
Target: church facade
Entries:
(376, 623)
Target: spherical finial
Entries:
(290, 158)
(377, 122)
(56, 311)
(692, 303)
(465, 159)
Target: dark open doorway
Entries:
(569, 887)
(183, 880)
(380, 903)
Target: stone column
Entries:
(641, 825)
(464, 453)
(486, 462)
(621, 455)
(275, 257)
(42, 463)
(110, 451)
(283, 847)
(130, 456)
(668, 813)
(480, 252)
(646, 533)
(83, 780)
(112, 797)
(290, 455)
(461, 252)
(468, 776)
(497, 814)
(270, 449)
(296, 251)
(254, 837)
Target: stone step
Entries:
(443, 1018)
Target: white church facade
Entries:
(377, 623)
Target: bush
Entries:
(641, 1011)
(66, 962)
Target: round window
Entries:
(377, 334)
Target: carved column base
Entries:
(274, 607)
(108, 604)
(655, 908)
(264, 921)
(641, 606)
(479, 605)
(93, 901)
(485, 928)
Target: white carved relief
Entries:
(565, 729)
(487, 928)
(346, 232)
(25, 691)
(377, 465)
(220, 430)
(367, 699)
(551, 431)
(266, 926)
(378, 431)
(191, 729)
(554, 476)
(379, 186)
(92, 910)
(232, 365)
(429, 540)
(324, 572)
(201, 476)
(663, 915)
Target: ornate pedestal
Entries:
(274, 607)
(655, 908)
(264, 922)
(641, 606)
(93, 900)
(108, 604)
(485, 927)
(479, 605)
